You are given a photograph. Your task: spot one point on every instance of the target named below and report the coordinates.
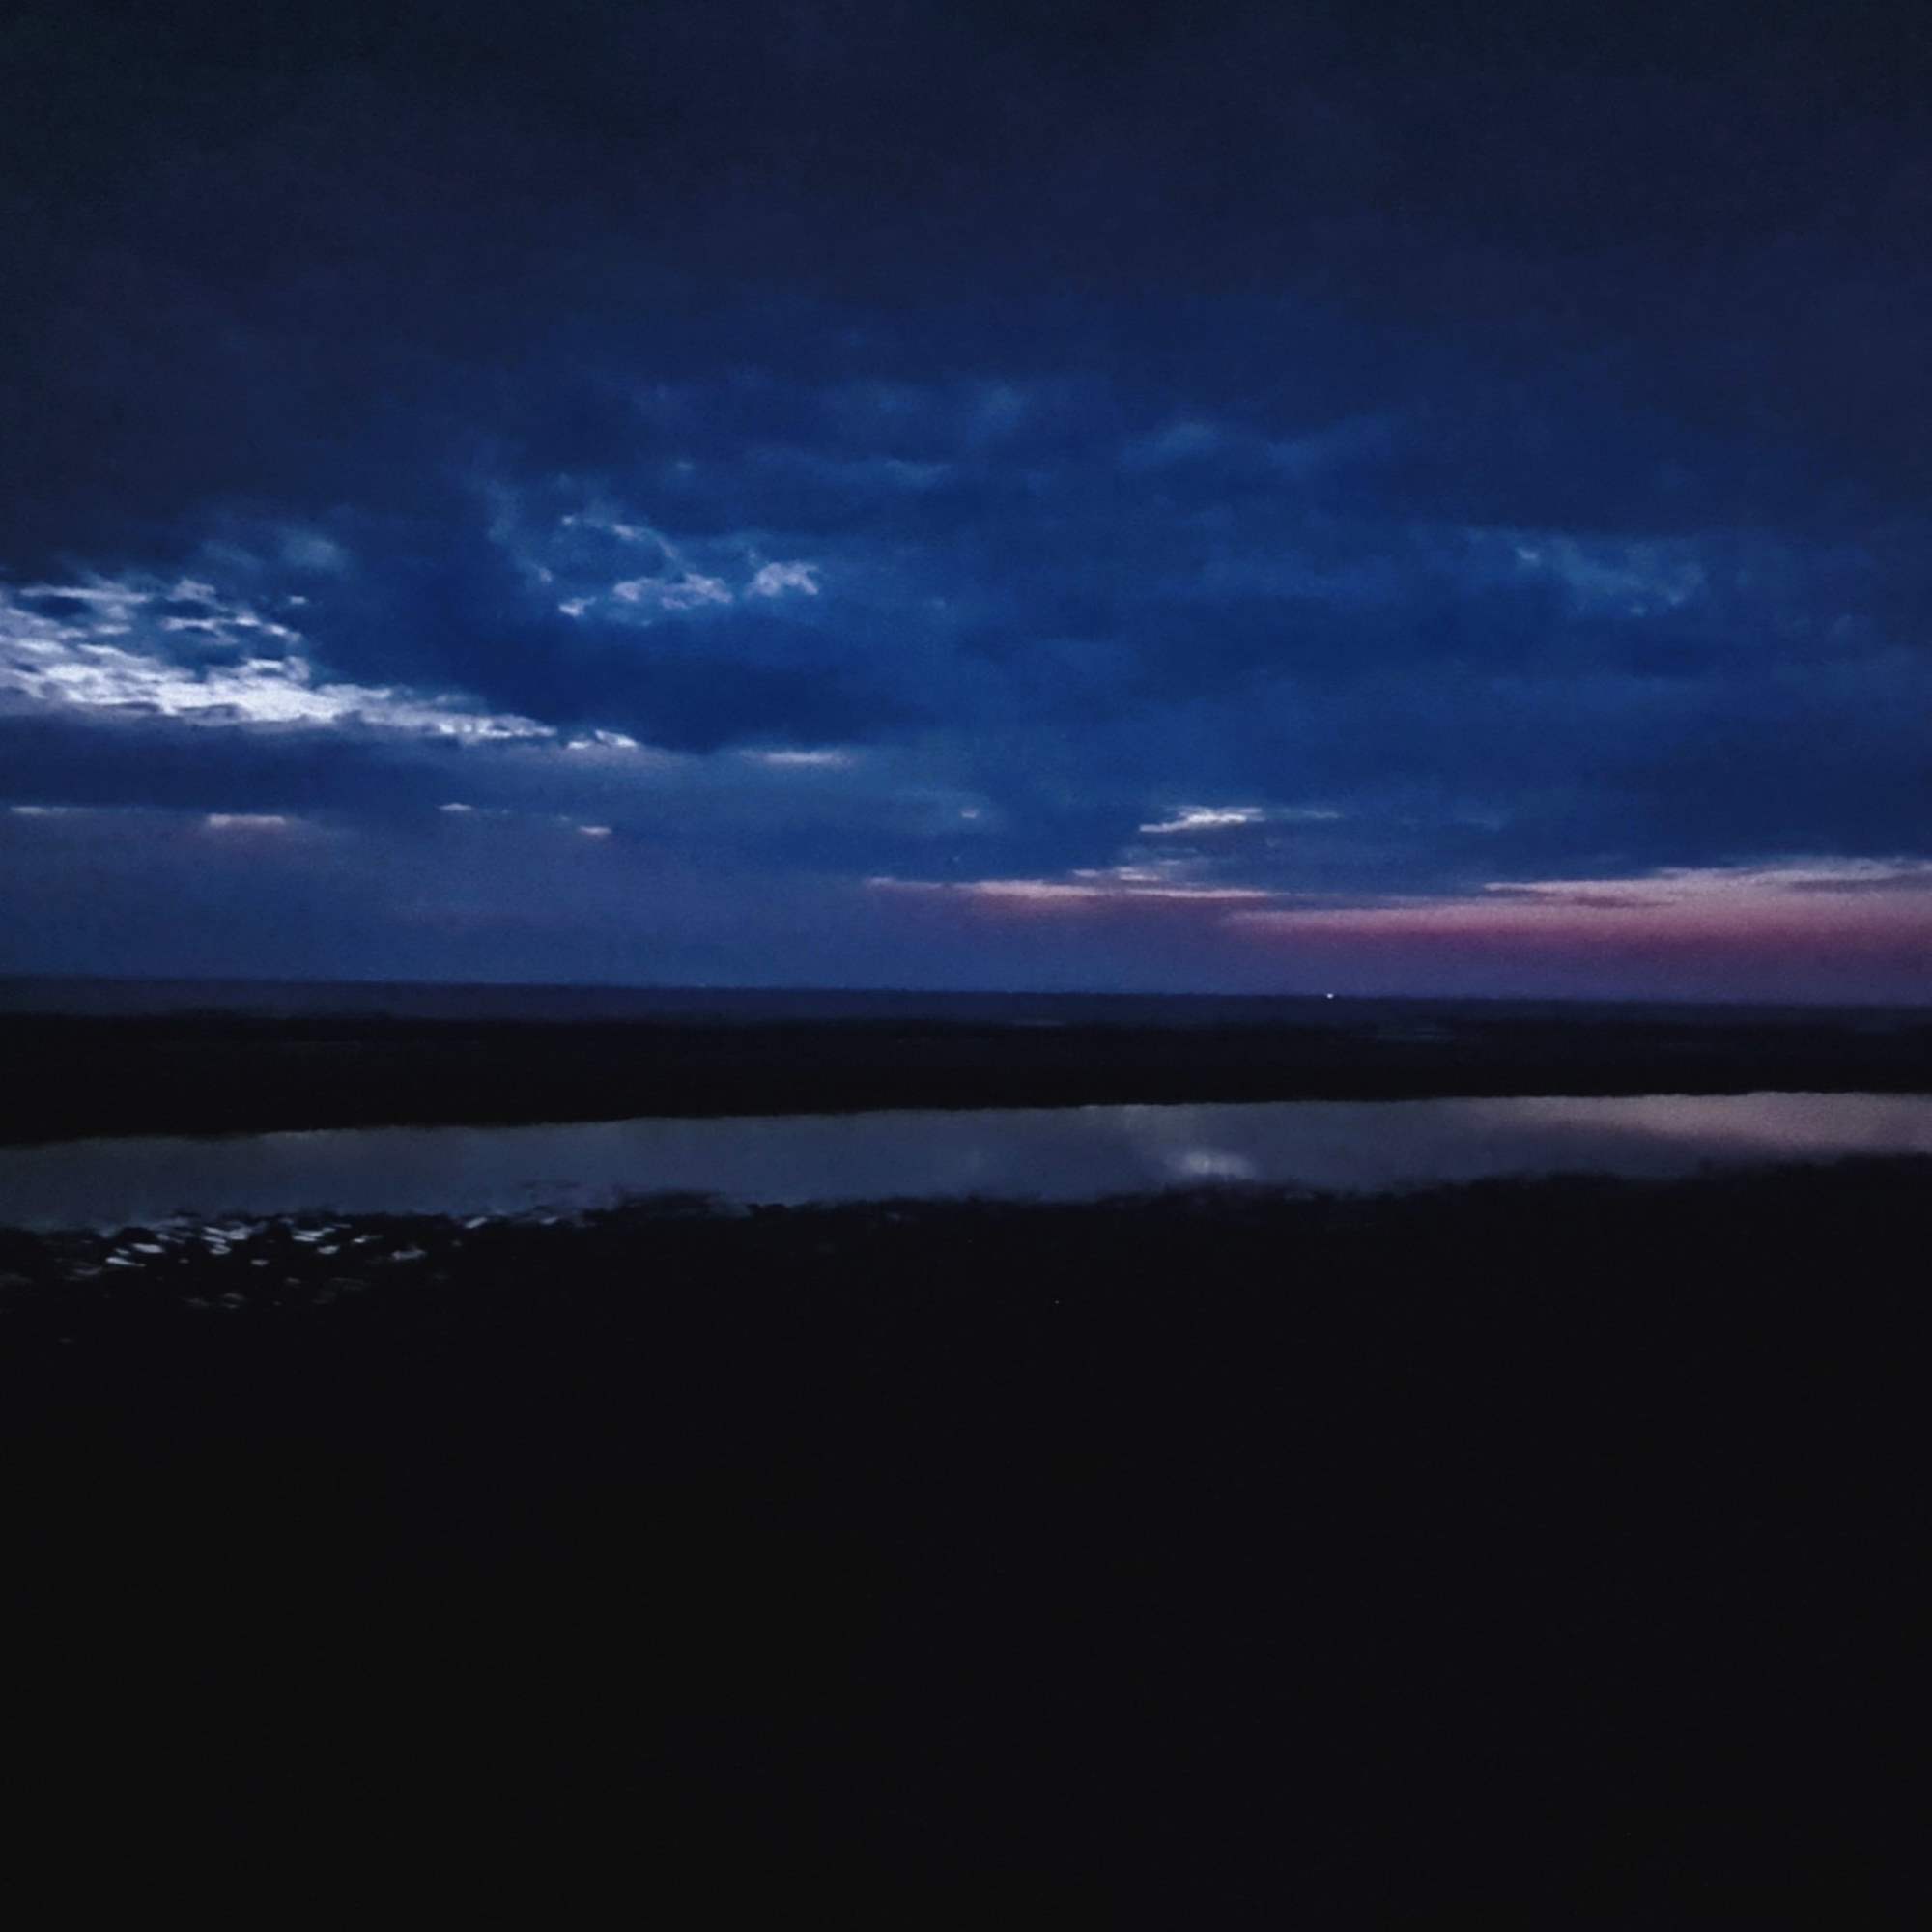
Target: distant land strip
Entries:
(73, 1076)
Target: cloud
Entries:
(1881, 903)
(114, 648)
(590, 555)
(1205, 818)
(1189, 819)
(1632, 578)
(689, 591)
(1096, 889)
(308, 550)
(830, 757)
(775, 579)
(609, 742)
(1703, 886)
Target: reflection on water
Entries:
(1048, 1153)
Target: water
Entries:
(1048, 1154)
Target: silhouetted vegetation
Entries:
(1535, 1546)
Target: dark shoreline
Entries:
(1539, 1548)
(71, 1075)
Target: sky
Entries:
(1355, 498)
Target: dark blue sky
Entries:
(1365, 498)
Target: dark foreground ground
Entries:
(1529, 1554)
(205, 1072)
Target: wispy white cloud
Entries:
(1712, 885)
(586, 562)
(127, 647)
(1207, 818)
(775, 580)
(693, 590)
(830, 757)
(1116, 887)
(606, 741)
(1193, 818)
(114, 821)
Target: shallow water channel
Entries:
(1018, 1153)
